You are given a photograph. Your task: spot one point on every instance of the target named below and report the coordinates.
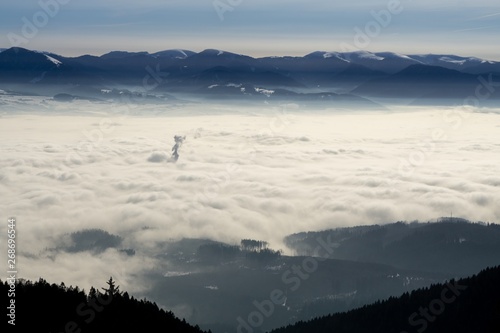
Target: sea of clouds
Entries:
(242, 172)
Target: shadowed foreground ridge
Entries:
(467, 305)
(57, 308)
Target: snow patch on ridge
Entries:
(453, 61)
(55, 61)
(334, 55)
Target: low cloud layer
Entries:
(260, 174)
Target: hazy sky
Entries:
(257, 28)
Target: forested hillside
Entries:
(463, 306)
(453, 245)
(54, 308)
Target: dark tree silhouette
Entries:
(253, 245)
(57, 308)
(112, 289)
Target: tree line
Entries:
(58, 308)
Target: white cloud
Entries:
(238, 176)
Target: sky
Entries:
(256, 28)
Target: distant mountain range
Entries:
(320, 76)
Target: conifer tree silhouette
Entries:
(112, 289)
